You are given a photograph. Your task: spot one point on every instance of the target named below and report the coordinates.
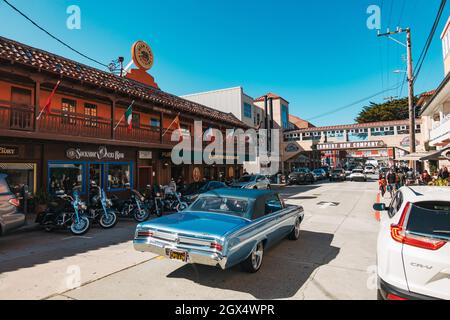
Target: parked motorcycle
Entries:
(134, 207)
(170, 200)
(100, 209)
(64, 212)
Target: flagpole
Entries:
(171, 124)
(123, 116)
(49, 100)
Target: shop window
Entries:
(66, 177)
(155, 123)
(19, 175)
(90, 111)
(136, 120)
(68, 110)
(119, 176)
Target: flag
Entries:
(129, 118)
(48, 104)
(177, 122)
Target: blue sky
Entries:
(317, 55)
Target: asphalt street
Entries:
(334, 259)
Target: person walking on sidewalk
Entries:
(382, 183)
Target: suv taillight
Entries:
(14, 202)
(398, 233)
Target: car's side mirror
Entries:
(380, 207)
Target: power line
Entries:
(354, 103)
(429, 40)
(51, 35)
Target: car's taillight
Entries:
(144, 234)
(14, 202)
(392, 296)
(216, 246)
(398, 233)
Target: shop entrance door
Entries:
(145, 177)
(96, 174)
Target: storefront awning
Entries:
(17, 166)
(414, 156)
(424, 156)
(438, 155)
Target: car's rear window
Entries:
(224, 205)
(4, 186)
(430, 218)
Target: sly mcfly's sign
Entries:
(101, 154)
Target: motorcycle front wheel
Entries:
(108, 221)
(81, 227)
(182, 206)
(141, 215)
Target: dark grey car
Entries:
(10, 219)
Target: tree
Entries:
(389, 111)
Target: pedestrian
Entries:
(391, 182)
(425, 177)
(382, 183)
(443, 173)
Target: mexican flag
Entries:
(129, 118)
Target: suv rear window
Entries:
(430, 218)
(4, 186)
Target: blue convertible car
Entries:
(222, 228)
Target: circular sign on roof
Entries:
(142, 55)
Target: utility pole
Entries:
(412, 111)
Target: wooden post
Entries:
(161, 127)
(37, 103)
(113, 118)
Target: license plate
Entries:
(178, 255)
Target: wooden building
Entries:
(76, 142)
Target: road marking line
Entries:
(378, 213)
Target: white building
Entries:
(436, 108)
(235, 101)
(231, 100)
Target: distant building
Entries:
(298, 123)
(385, 141)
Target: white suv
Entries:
(369, 170)
(413, 245)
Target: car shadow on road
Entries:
(286, 269)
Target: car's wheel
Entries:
(295, 233)
(254, 262)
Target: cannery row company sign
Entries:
(101, 154)
(351, 145)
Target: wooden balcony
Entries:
(78, 125)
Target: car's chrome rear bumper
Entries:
(193, 256)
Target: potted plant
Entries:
(41, 200)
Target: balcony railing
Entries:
(77, 125)
(441, 128)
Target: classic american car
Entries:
(223, 228)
